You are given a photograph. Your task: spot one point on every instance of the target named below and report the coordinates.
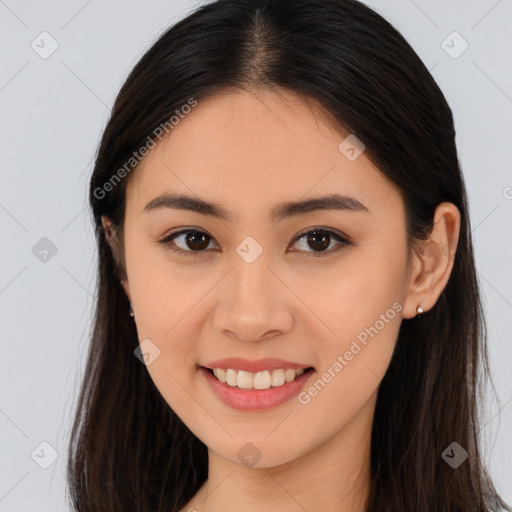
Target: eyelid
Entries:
(342, 239)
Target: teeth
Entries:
(258, 380)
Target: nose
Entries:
(254, 304)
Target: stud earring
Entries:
(130, 312)
(419, 309)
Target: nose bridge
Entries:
(251, 277)
(251, 304)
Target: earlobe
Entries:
(434, 261)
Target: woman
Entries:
(288, 316)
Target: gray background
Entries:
(53, 111)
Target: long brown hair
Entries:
(128, 450)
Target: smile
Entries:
(259, 380)
(248, 391)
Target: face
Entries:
(318, 287)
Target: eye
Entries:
(196, 238)
(318, 238)
(321, 238)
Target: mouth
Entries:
(245, 391)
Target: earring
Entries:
(419, 309)
(130, 312)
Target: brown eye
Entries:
(196, 240)
(192, 239)
(320, 239)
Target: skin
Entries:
(249, 152)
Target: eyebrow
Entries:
(279, 212)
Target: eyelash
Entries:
(344, 242)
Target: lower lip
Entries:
(255, 399)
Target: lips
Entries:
(260, 365)
(255, 399)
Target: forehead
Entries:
(247, 152)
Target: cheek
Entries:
(357, 293)
(167, 313)
(167, 302)
(360, 307)
(163, 290)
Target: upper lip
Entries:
(268, 363)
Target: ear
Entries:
(113, 242)
(433, 262)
